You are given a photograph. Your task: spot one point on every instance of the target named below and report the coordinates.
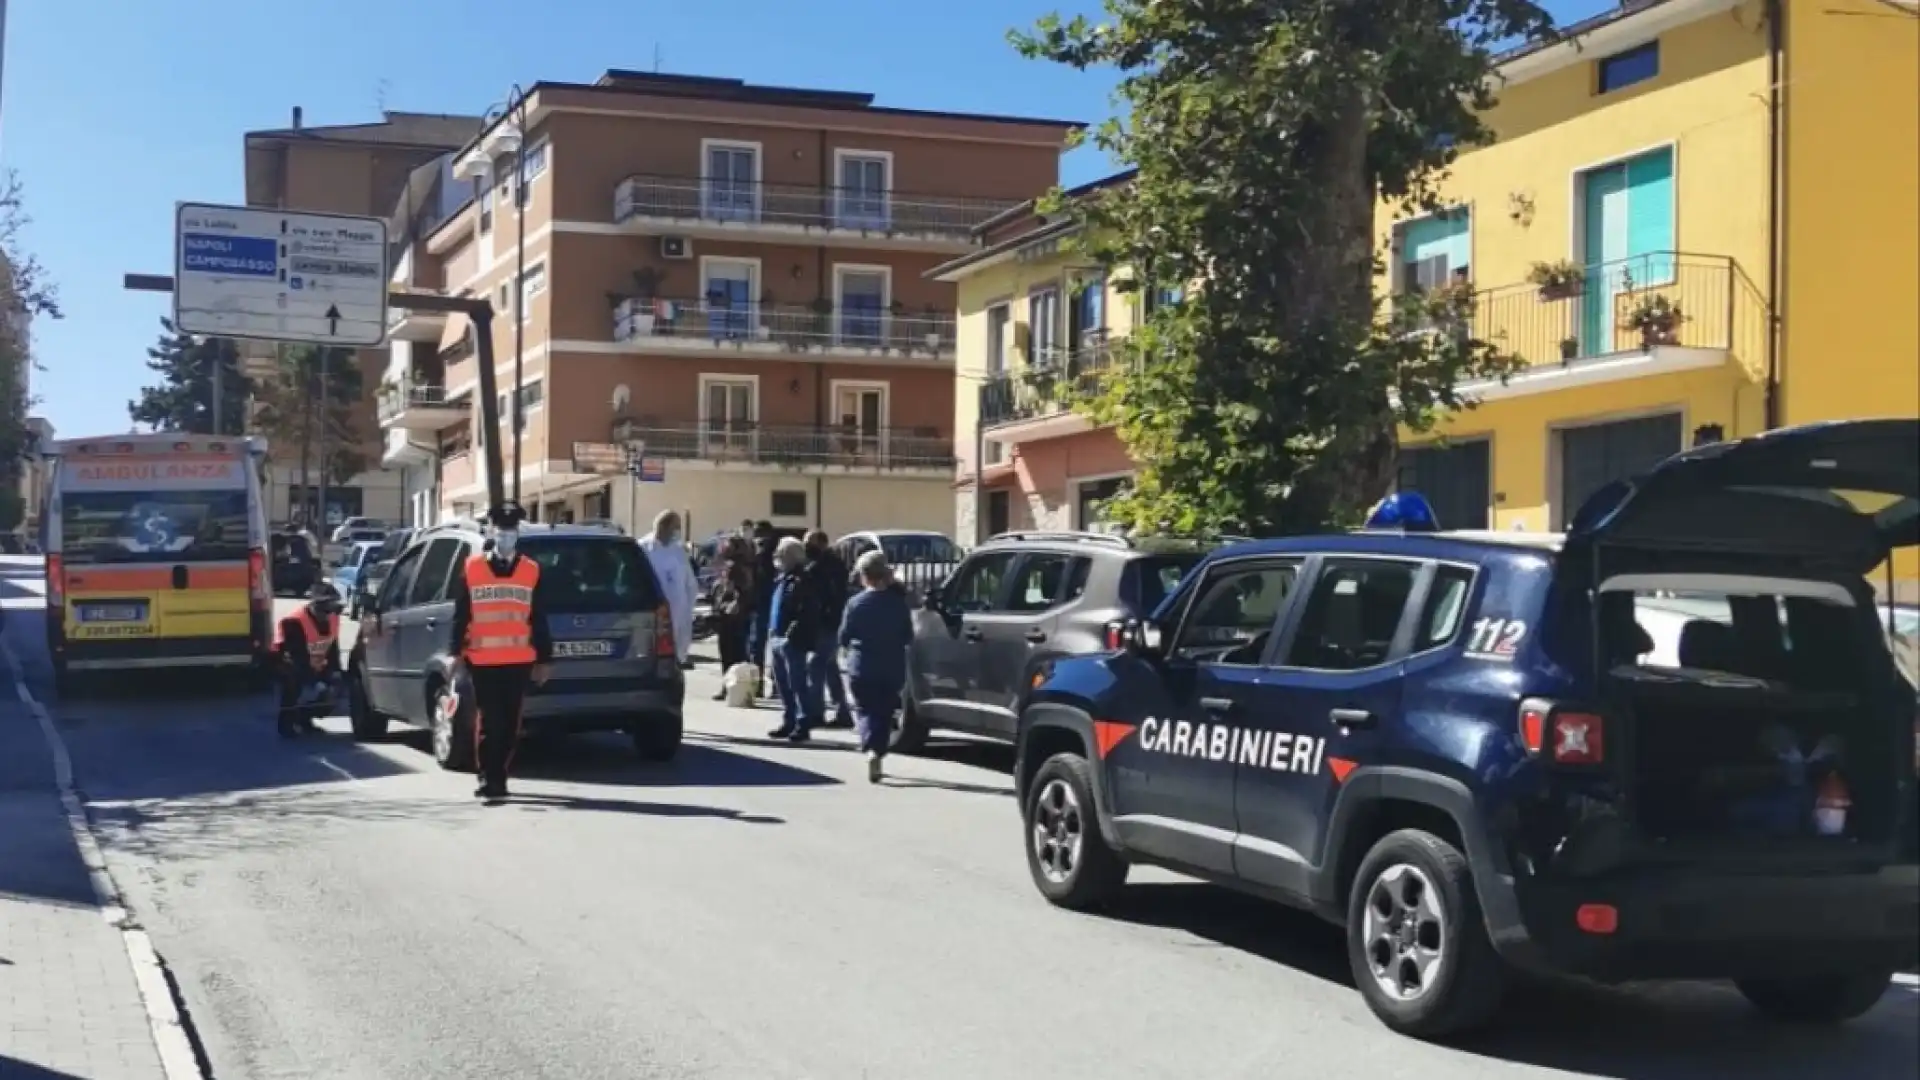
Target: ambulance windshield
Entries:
(140, 526)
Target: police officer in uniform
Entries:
(501, 631)
(306, 647)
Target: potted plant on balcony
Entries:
(1658, 320)
(1557, 280)
(933, 329)
(1569, 349)
(638, 307)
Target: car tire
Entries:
(1071, 863)
(1816, 999)
(658, 740)
(910, 734)
(452, 728)
(1413, 903)
(368, 725)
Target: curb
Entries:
(179, 1058)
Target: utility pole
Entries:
(517, 104)
(218, 358)
(325, 405)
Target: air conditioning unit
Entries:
(675, 247)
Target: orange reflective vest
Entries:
(501, 630)
(320, 638)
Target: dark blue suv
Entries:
(1670, 743)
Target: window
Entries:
(727, 286)
(503, 296)
(788, 504)
(1432, 251)
(727, 410)
(1231, 617)
(583, 577)
(532, 284)
(731, 188)
(863, 189)
(393, 594)
(158, 526)
(861, 411)
(1154, 578)
(999, 318)
(1045, 580)
(1092, 496)
(531, 395)
(1446, 608)
(1155, 299)
(486, 210)
(976, 585)
(1623, 69)
(532, 165)
(1088, 316)
(862, 304)
(436, 570)
(999, 512)
(1043, 326)
(1353, 615)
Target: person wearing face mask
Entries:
(673, 569)
(500, 630)
(306, 647)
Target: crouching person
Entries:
(876, 632)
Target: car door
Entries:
(380, 656)
(426, 633)
(1335, 679)
(946, 634)
(1015, 633)
(1173, 784)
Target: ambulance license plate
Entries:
(113, 613)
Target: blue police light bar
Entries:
(1403, 511)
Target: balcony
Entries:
(770, 328)
(743, 443)
(786, 213)
(1038, 400)
(405, 325)
(1650, 314)
(415, 405)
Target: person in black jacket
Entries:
(796, 623)
(832, 582)
(766, 571)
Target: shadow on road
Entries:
(212, 826)
(1644, 1032)
(609, 759)
(650, 809)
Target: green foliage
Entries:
(1264, 132)
(311, 402)
(182, 400)
(13, 509)
(25, 295)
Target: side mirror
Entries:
(1141, 637)
(931, 601)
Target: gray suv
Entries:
(613, 660)
(1015, 603)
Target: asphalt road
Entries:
(340, 911)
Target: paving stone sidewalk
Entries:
(69, 1006)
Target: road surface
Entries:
(757, 912)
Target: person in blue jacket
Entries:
(876, 632)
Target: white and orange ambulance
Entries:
(156, 551)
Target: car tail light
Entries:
(663, 633)
(1566, 736)
(1597, 918)
(56, 583)
(257, 583)
(1116, 636)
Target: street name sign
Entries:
(273, 275)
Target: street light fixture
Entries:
(514, 110)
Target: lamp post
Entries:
(515, 108)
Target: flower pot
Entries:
(763, 333)
(933, 342)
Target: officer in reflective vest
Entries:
(502, 635)
(306, 646)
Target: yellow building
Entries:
(1698, 221)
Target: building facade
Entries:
(358, 169)
(722, 282)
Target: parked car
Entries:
(614, 664)
(346, 576)
(294, 567)
(920, 559)
(1015, 604)
(337, 550)
(353, 525)
(1667, 744)
(374, 572)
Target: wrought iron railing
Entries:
(772, 444)
(794, 327)
(749, 203)
(1054, 381)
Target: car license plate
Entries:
(113, 613)
(573, 650)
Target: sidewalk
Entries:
(69, 1006)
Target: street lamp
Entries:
(515, 108)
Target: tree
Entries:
(1264, 132)
(25, 294)
(182, 400)
(312, 402)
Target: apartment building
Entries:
(1036, 326)
(358, 169)
(1697, 223)
(723, 287)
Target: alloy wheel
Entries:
(1059, 830)
(1405, 932)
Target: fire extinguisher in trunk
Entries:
(1830, 806)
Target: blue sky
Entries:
(116, 109)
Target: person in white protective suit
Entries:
(673, 568)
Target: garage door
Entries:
(1456, 480)
(1593, 457)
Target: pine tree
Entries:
(183, 399)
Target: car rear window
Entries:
(585, 576)
(1157, 577)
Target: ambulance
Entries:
(156, 552)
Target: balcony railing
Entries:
(412, 394)
(788, 327)
(770, 444)
(747, 204)
(1054, 381)
(1662, 299)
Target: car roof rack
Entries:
(1062, 536)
